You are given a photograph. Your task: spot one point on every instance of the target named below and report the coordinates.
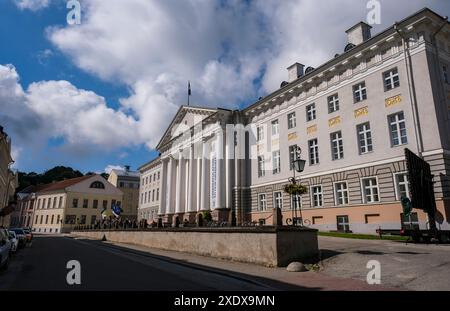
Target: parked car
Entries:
(21, 236)
(28, 234)
(5, 249)
(14, 241)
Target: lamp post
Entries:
(298, 166)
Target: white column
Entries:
(169, 186)
(190, 186)
(204, 204)
(199, 180)
(179, 182)
(162, 202)
(219, 175)
(229, 156)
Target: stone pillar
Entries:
(229, 160)
(219, 174)
(162, 202)
(191, 181)
(199, 180)
(179, 186)
(204, 204)
(169, 187)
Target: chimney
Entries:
(359, 33)
(295, 71)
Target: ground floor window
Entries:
(278, 200)
(343, 224)
(70, 219)
(262, 202)
(317, 196)
(296, 202)
(410, 222)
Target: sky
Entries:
(100, 94)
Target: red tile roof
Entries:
(61, 185)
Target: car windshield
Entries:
(12, 234)
(18, 231)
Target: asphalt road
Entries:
(42, 266)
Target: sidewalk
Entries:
(312, 280)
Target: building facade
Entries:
(150, 191)
(8, 180)
(352, 118)
(60, 206)
(128, 182)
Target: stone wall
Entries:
(268, 246)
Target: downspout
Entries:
(412, 91)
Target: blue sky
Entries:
(101, 93)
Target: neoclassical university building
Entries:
(352, 119)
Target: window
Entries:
(359, 92)
(93, 219)
(261, 171)
(313, 152)
(49, 203)
(278, 200)
(153, 195)
(310, 112)
(260, 134)
(262, 202)
(292, 156)
(36, 220)
(60, 202)
(150, 179)
(58, 219)
(85, 203)
(276, 162)
(52, 220)
(410, 222)
(159, 175)
(121, 184)
(43, 203)
(402, 185)
(42, 219)
(445, 74)
(317, 196)
(343, 224)
(105, 204)
(83, 220)
(157, 194)
(391, 79)
(95, 204)
(333, 103)
(46, 219)
(275, 128)
(292, 121)
(370, 190)
(97, 185)
(337, 146)
(364, 138)
(54, 202)
(341, 193)
(70, 219)
(296, 202)
(75, 203)
(39, 203)
(398, 129)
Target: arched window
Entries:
(97, 185)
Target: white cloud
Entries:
(33, 5)
(109, 168)
(57, 109)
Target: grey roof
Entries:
(122, 173)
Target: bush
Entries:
(207, 216)
(295, 189)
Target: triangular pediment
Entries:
(184, 119)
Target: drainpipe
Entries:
(412, 91)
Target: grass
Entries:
(363, 236)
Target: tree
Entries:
(57, 173)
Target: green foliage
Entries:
(57, 173)
(295, 189)
(207, 216)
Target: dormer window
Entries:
(97, 185)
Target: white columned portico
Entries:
(179, 184)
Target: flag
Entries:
(189, 89)
(116, 210)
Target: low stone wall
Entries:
(269, 246)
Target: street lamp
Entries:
(298, 166)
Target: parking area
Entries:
(404, 266)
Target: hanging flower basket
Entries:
(295, 189)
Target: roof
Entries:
(61, 185)
(150, 163)
(123, 173)
(332, 62)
